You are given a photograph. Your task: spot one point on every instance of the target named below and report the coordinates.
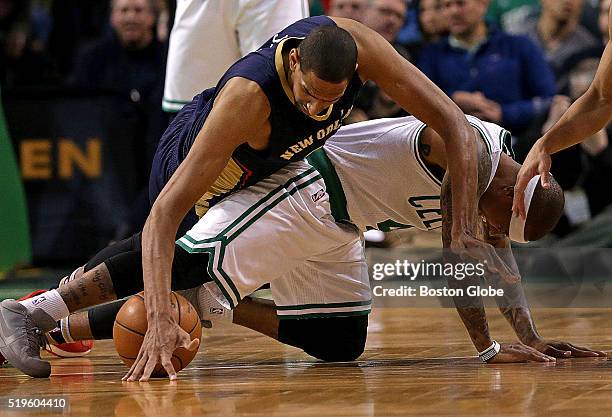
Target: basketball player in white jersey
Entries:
(209, 36)
(301, 230)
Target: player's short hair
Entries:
(330, 52)
(545, 210)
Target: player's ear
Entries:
(294, 58)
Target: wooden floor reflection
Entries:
(417, 362)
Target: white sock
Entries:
(65, 328)
(213, 304)
(208, 305)
(50, 302)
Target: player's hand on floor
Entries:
(163, 336)
(518, 352)
(562, 350)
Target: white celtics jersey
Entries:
(386, 183)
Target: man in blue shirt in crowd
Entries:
(490, 74)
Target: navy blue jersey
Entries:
(293, 134)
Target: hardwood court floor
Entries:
(417, 362)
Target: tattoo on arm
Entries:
(513, 304)
(470, 309)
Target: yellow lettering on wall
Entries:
(35, 159)
(69, 155)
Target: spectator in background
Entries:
(490, 74)
(351, 9)
(432, 22)
(559, 33)
(130, 62)
(129, 59)
(386, 17)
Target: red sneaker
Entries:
(69, 349)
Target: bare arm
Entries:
(209, 155)
(513, 305)
(515, 308)
(586, 116)
(471, 308)
(412, 90)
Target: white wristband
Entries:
(490, 352)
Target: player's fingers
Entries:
(558, 353)
(544, 175)
(579, 351)
(148, 369)
(131, 371)
(138, 366)
(518, 204)
(191, 345)
(167, 364)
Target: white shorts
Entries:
(281, 231)
(208, 36)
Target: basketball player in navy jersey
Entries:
(272, 107)
(321, 301)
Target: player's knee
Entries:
(337, 350)
(334, 339)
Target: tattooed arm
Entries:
(514, 306)
(471, 309)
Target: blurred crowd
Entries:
(518, 63)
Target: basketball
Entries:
(131, 325)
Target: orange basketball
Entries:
(131, 325)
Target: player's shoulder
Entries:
(380, 128)
(243, 88)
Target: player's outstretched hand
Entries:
(518, 352)
(537, 162)
(163, 336)
(562, 350)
